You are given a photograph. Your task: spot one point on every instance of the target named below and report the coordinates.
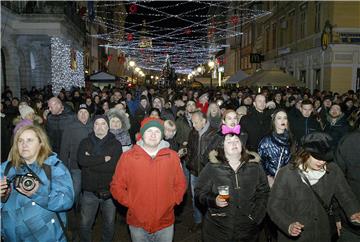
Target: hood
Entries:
(120, 115)
(52, 159)
(254, 157)
(163, 144)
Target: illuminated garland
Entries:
(64, 73)
(188, 46)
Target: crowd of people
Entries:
(283, 161)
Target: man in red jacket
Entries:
(149, 180)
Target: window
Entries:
(250, 36)
(291, 26)
(283, 27)
(317, 16)
(317, 79)
(274, 36)
(302, 24)
(303, 76)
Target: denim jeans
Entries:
(76, 177)
(89, 206)
(186, 172)
(197, 213)
(141, 235)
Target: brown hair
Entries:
(44, 152)
(221, 154)
(301, 158)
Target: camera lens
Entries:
(28, 184)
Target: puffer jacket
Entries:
(249, 191)
(274, 151)
(34, 218)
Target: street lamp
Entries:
(132, 63)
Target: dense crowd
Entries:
(288, 159)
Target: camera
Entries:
(27, 181)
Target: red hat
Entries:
(151, 122)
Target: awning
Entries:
(274, 77)
(238, 76)
(102, 77)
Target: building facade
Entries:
(317, 42)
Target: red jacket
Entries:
(149, 187)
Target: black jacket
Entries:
(198, 148)
(249, 191)
(72, 136)
(291, 200)
(56, 125)
(347, 156)
(336, 130)
(256, 125)
(96, 174)
(300, 126)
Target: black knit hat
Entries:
(103, 117)
(318, 144)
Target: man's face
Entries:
(335, 111)
(306, 110)
(260, 103)
(54, 107)
(152, 137)
(117, 96)
(83, 116)
(327, 103)
(198, 122)
(157, 103)
(190, 106)
(101, 128)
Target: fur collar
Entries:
(254, 157)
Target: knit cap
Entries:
(103, 117)
(152, 122)
(25, 110)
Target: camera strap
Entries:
(33, 173)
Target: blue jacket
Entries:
(274, 148)
(34, 218)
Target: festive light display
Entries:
(195, 37)
(64, 74)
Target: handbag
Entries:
(328, 209)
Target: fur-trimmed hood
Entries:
(254, 157)
(120, 115)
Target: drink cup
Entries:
(224, 192)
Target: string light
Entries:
(190, 45)
(62, 75)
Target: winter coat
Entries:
(336, 130)
(301, 126)
(274, 150)
(256, 125)
(6, 134)
(347, 156)
(72, 136)
(55, 126)
(149, 187)
(247, 205)
(34, 218)
(96, 173)
(183, 127)
(291, 200)
(199, 148)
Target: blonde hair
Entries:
(44, 152)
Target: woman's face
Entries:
(232, 146)
(28, 146)
(315, 164)
(280, 122)
(231, 120)
(115, 123)
(214, 110)
(105, 106)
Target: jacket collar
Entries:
(214, 159)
